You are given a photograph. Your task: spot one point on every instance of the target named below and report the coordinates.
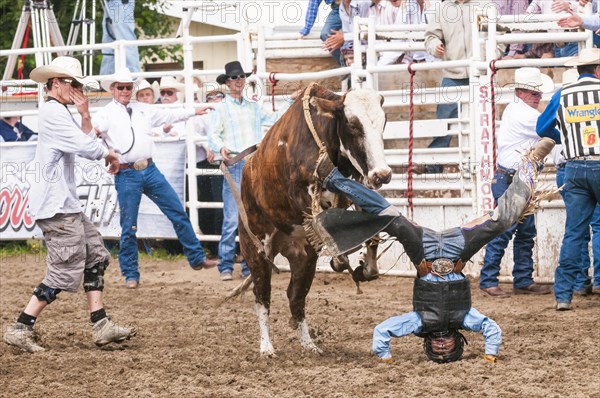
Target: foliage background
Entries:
(153, 23)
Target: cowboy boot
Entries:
(410, 236)
(511, 205)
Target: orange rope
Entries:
(411, 118)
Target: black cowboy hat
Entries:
(232, 69)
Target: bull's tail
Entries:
(239, 290)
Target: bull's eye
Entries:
(355, 126)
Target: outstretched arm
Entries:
(396, 326)
(475, 321)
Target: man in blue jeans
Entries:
(572, 119)
(516, 134)
(332, 23)
(583, 282)
(126, 127)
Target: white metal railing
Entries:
(261, 45)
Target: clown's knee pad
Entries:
(45, 293)
(93, 278)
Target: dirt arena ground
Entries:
(187, 346)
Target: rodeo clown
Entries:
(441, 295)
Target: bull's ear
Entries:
(381, 99)
(326, 107)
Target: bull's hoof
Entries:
(358, 275)
(312, 349)
(339, 263)
(268, 353)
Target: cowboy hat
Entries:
(232, 69)
(170, 82)
(532, 79)
(123, 75)
(569, 76)
(587, 56)
(144, 85)
(59, 67)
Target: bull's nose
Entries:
(381, 176)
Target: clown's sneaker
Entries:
(22, 336)
(106, 331)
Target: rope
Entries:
(273, 82)
(493, 104)
(411, 118)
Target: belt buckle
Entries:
(442, 266)
(140, 164)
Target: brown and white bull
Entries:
(278, 181)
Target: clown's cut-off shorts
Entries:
(74, 244)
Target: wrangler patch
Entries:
(583, 113)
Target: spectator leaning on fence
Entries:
(575, 111)
(449, 38)
(75, 248)
(126, 127)
(343, 39)
(333, 22)
(590, 22)
(551, 50)
(516, 135)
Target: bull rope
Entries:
(493, 70)
(411, 118)
(316, 196)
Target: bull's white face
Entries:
(364, 147)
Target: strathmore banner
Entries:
(95, 188)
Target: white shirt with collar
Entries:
(51, 174)
(516, 133)
(131, 137)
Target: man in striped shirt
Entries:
(576, 111)
(236, 125)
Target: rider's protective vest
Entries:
(441, 305)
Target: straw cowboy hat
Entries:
(68, 67)
(144, 85)
(123, 75)
(532, 79)
(587, 56)
(569, 76)
(232, 69)
(170, 82)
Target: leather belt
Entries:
(503, 170)
(426, 267)
(586, 157)
(138, 165)
(231, 161)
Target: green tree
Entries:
(147, 21)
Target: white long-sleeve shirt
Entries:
(516, 133)
(131, 137)
(52, 172)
